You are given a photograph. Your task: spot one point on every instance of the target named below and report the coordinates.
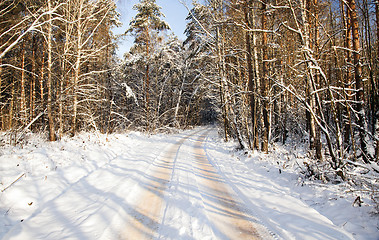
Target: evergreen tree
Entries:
(145, 26)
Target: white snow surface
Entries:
(84, 188)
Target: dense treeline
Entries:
(300, 68)
(265, 70)
(55, 59)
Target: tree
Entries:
(52, 136)
(358, 79)
(376, 85)
(265, 80)
(145, 25)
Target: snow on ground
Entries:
(84, 188)
(273, 187)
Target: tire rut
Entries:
(145, 221)
(223, 211)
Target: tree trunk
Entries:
(368, 45)
(311, 78)
(32, 93)
(284, 121)
(78, 64)
(147, 81)
(23, 95)
(220, 68)
(339, 75)
(11, 107)
(376, 86)
(265, 81)
(347, 83)
(257, 85)
(253, 112)
(317, 78)
(61, 85)
(42, 75)
(178, 102)
(358, 80)
(49, 78)
(224, 113)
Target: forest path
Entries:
(184, 197)
(188, 185)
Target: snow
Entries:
(293, 207)
(129, 92)
(90, 187)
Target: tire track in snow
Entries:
(184, 214)
(156, 210)
(146, 220)
(261, 225)
(223, 210)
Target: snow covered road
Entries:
(196, 192)
(182, 186)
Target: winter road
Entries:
(179, 186)
(183, 169)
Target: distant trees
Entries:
(146, 26)
(163, 76)
(167, 86)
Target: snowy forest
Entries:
(267, 112)
(313, 76)
(264, 71)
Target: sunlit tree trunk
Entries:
(249, 60)
(32, 89)
(247, 10)
(42, 75)
(11, 107)
(348, 131)
(314, 33)
(358, 80)
(49, 78)
(77, 66)
(23, 96)
(257, 102)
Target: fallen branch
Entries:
(27, 127)
(13, 182)
(371, 166)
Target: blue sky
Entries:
(174, 11)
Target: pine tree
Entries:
(143, 26)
